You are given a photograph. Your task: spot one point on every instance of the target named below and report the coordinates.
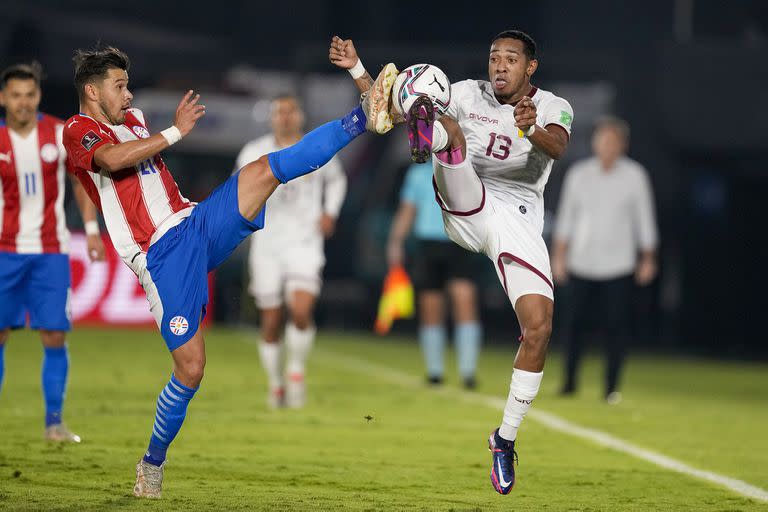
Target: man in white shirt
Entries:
(605, 240)
(286, 258)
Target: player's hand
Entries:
(95, 247)
(646, 271)
(327, 225)
(394, 254)
(188, 112)
(525, 113)
(559, 270)
(342, 53)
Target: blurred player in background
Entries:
(34, 240)
(169, 242)
(493, 152)
(438, 265)
(604, 220)
(286, 258)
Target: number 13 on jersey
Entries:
(499, 146)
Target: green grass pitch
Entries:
(423, 450)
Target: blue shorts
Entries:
(38, 285)
(179, 262)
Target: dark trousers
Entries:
(608, 303)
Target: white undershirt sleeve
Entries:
(334, 187)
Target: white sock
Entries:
(439, 137)
(522, 391)
(269, 353)
(298, 343)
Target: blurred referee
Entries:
(438, 265)
(605, 241)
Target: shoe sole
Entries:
(381, 92)
(421, 147)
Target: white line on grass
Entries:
(557, 423)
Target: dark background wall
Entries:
(690, 76)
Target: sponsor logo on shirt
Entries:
(566, 118)
(483, 118)
(89, 140)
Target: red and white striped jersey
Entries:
(32, 171)
(140, 203)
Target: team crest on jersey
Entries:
(141, 132)
(89, 140)
(49, 153)
(179, 325)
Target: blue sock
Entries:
(468, 336)
(432, 340)
(2, 363)
(171, 410)
(317, 147)
(55, 368)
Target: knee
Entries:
(536, 334)
(302, 320)
(190, 373)
(53, 339)
(256, 171)
(452, 128)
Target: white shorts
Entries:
(279, 270)
(507, 233)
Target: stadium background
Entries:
(688, 75)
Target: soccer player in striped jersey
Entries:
(34, 240)
(170, 242)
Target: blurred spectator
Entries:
(438, 265)
(605, 219)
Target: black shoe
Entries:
(435, 380)
(470, 383)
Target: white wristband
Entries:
(530, 130)
(92, 227)
(172, 135)
(357, 70)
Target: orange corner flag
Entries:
(396, 300)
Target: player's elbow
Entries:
(557, 151)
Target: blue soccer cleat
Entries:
(504, 460)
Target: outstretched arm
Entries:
(343, 54)
(114, 157)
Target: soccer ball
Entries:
(421, 80)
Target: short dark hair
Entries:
(529, 45)
(31, 71)
(95, 63)
(618, 125)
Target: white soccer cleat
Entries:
(376, 102)
(296, 391)
(149, 480)
(61, 434)
(276, 398)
